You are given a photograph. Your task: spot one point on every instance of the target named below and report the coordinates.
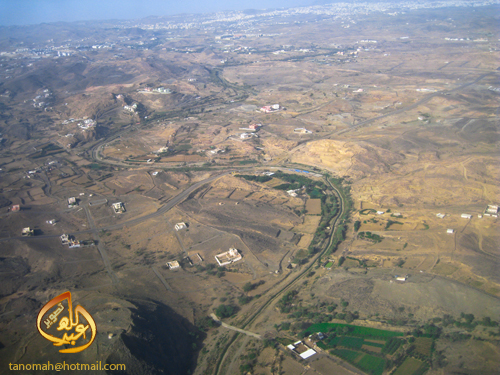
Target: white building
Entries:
(228, 257)
(492, 209)
(466, 216)
(441, 216)
(118, 207)
(64, 239)
(302, 131)
(301, 349)
(180, 226)
(173, 265)
(450, 231)
(72, 202)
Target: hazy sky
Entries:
(26, 12)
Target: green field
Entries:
(348, 355)
(371, 364)
(411, 366)
(353, 330)
(368, 363)
(348, 342)
(375, 344)
(329, 265)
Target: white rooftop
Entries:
(308, 353)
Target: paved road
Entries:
(162, 279)
(248, 333)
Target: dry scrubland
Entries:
(409, 123)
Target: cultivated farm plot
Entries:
(348, 355)
(310, 224)
(428, 262)
(305, 240)
(239, 194)
(350, 263)
(326, 366)
(289, 366)
(409, 367)
(182, 158)
(366, 362)
(372, 348)
(413, 262)
(423, 345)
(371, 364)
(445, 269)
(368, 332)
(313, 206)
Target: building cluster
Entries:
(301, 349)
(87, 124)
(43, 99)
(248, 135)
(252, 127)
(302, 131)
(271, 108)
(491, 210)
(66, 239)
(130, 108)
(158, 90)
(216, 151)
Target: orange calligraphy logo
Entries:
(68, 322)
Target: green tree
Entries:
(225, 311)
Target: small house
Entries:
(180, 226)
(28, 232)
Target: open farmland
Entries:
(411, 366)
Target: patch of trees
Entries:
(285, 303)
(249, 286)
(285, 326)
(212, 269)
(357, 225)
(390, 222)
(427, 330)
(243, 299)
(205, 323)
(370, 236)
(260, 179)
(249, 361)
(225, 311)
